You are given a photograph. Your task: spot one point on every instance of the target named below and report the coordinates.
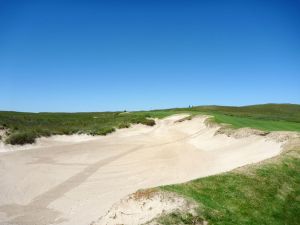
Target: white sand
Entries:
(140, 210)
(75, 183)
(55, 140)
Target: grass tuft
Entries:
(103, 131)
(178, 217)
(20, 138)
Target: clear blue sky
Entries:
(115, 55)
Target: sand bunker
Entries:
(76, 183)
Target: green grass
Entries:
(20, 138)
(268, 117)
(178, 217)
(275, 112)
(25, 127)
(262, 124)
(264, 194)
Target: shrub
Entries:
(148, 122)
(21, 138)
(42, 132)
(124, 125)
(66, 131)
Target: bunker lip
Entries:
(78, 182)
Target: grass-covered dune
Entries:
(24, 127)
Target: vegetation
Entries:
(262, 124)
(275, 112)
(266, 193)
(21, 138)
(268, 117)
(25, 127)
(178, 217)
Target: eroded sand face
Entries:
(75, 183)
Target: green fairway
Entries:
(267, 125)
(26, 127)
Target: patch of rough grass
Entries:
(185, 118)
(148, 122)
(20, 138)
(103, 131)
(25, 127)
(265, 193)
(124, 125)
(144, 193)
(181, 218)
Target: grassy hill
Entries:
(24, 127)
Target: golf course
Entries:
(196, 165)
(153, 112)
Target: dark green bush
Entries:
(124, 125)
(148, 122)
(20, 138)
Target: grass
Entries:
(178, 217)
(274, 112)
(26, 127)
(267, 193)
(21, 138)
(261, 124)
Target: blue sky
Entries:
(115, 55)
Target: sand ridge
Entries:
(77, 182)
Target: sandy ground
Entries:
(144, 208)
(43, 142)
(76, 183)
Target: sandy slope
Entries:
(77, 182)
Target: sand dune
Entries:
(75, 182)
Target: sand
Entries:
(140, 209)
(76, 182)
